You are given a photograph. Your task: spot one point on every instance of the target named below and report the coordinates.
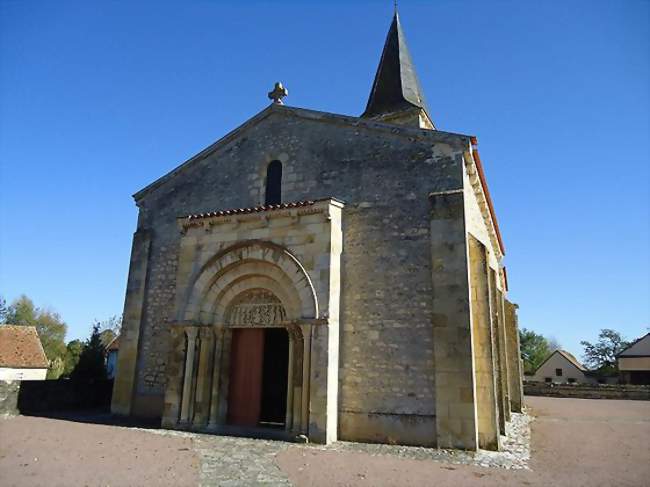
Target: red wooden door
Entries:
(245, 387)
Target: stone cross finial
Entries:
(278, 93)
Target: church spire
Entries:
(396, 90)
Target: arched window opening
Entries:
(273, 183)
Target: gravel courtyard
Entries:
(575, 442)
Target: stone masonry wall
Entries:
(9, 397)
(384, 175)
(588, 391)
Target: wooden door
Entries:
(245, 385)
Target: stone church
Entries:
(314, 276)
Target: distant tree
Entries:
(91, 360)
(114, 324)
(601, 355)
(50, 327)
(72, 354)
(553, 344)
(534, 349)
(3, 310)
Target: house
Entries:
(325, 276)
(112, 350)
(561, 367)
(634, 362)
(21, 354)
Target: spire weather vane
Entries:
(278, 93)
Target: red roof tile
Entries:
(20, 347)
(254, 209)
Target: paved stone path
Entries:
(231, 462)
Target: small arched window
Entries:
(273, 183)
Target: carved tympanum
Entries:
(256, 307)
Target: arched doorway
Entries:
(259, 361)
(248, 317)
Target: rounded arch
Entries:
(248, 265)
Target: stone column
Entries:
(204, 377)
(296, 406)
(503, 355)
(174, 372)
(224, 377)
(186, 404)
(456, 425)
(514, 355)
(288, 422)
(497, 356)
(306, 365)
(126, 373)
(216, 377)
(483, 347)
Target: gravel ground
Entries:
(52, 452)
(571, 442)
(575, 443)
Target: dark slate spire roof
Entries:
(396, 85)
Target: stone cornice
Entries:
(245, 215)
(482, 199)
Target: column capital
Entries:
(206, 332)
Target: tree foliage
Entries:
(3, 310)
(535, 348)
(50, 327)
(72, 354)
(601, 355)
(91, 364)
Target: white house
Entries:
(112, 350)
(634, 362)
(561, 368)
(21, 354)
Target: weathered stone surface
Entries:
(9, 397)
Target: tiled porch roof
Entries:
(255, 209)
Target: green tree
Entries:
(3, 310)
(602, 354)
(534, 349)
(72, 354)
(91, 364)
(50, 327)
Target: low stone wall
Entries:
(9, 397)
(60, 395)
(588, 391)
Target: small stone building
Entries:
(561, 367)
(21, 354)
(112, 351)
(325, 275)
(634, 362)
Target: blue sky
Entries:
(97, 99)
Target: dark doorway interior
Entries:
(274, 377)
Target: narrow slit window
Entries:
(273, 183)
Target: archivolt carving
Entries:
(244, 267)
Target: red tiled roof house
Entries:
(21, 354)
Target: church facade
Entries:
(319, 277)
